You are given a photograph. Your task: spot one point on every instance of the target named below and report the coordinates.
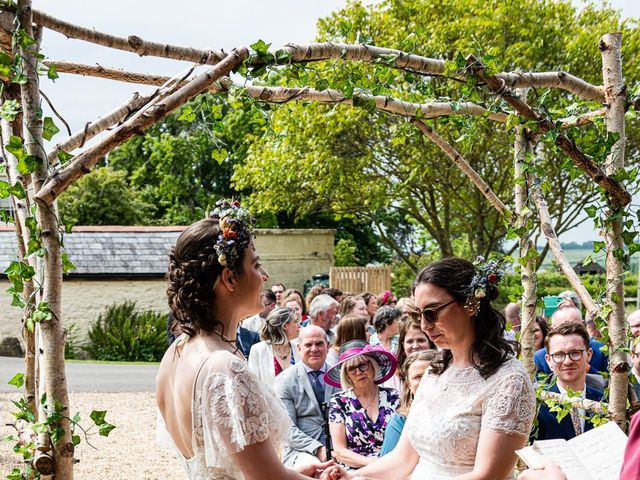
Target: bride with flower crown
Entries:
(476, 408)
(223, 423)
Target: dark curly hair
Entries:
(193, 272)
(490, 349)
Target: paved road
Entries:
(90, 377)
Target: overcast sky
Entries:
(217, 24)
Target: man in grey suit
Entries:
(302, 390)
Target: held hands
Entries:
(325, 471)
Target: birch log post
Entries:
(22, 210)
(522, 148)
(52, 330)
(615, 94)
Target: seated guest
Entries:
(599, 361)
(293, 301)
(412, 371)
(335, 293)
(313, 293)
(255, 322)
(385, 321)
(322, 313)
(351, 327)
(302, 391)
(512, 316)
(371, 301)
(540, 332)
(387, 298)
(278, 289)
(359, 414)
(635, 366)
(569, 355)
(353, 304)
(294, 293)
(411, 339)
(278, 350)
(245, 339)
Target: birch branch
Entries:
(92, 129)
(576, 402)
(583, 119)
(619, 196)
(105, 72)
(556, 249)
(463, 165)
(386, 104)
(313, 52)
(83, 163)
(615, 94)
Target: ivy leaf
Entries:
(64, 156)
(5, 64)
(105, 429)
(23, 39)
(98, 416)
(634, 248)
(49, 128)
(10, 110)
(17, 380)
(322, 84)
(67, 265)
(260, 47)
(187, 115)
(52, 72)
(219, 155)
(75, 439)
(16, 148)
(597, 246)
(628, 237)
(591, 210)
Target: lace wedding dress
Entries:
(231, 409)
(450, 409)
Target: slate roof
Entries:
(109, 250)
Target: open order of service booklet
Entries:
(594, 455)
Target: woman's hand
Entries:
(549, 471)
(325, 470)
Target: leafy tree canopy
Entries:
(357, 163)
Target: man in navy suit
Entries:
(568, 357)
(599, 361)
(245, 339)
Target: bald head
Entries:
(566, 315)
(312, 330)
(634, 323)
(512, 314)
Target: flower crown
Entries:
(487, 275)
(236, 231)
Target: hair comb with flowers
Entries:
(236, 231)
(487, 276)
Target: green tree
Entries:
(104, 197)
(361, 163)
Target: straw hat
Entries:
(385, 360)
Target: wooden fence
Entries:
(361, 279)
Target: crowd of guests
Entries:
(364, 355)
(422, 387)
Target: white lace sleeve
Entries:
(510, 404)
(237, 410)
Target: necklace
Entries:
(229, 341)
(283, 357)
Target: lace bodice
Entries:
(231, 409)
(449, 411)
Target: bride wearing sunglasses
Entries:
(476, 407)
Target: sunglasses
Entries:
(363, 367)
(430, 314)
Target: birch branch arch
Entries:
(141, 111)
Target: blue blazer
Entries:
(548, 426)
(599, 361)
(245, 340)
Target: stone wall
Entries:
(290, 257)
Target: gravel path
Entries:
(130, 451)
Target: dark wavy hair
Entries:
(193, 272)
(490, 349)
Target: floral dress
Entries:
(364, 436)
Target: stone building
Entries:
(116, 263)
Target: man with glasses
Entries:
(568, 355)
